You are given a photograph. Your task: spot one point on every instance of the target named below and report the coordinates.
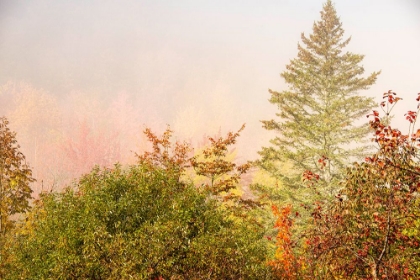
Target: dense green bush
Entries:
(139, 223)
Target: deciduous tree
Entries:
(15, 177)
(222, 174)
(286, 264)
(140, 222)
(370, 231)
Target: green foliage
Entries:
(15, 177)
(15, 192)
(223, 175)
(141, 223)
(317, 114)
(269, 185)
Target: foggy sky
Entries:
(206, 65)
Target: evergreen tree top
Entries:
(327, 32)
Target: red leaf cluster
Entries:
(365, 233)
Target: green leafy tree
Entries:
(140, 222)
(15, 177)
(15, 192)
(223, 175)
(134, 224)
(319, 110)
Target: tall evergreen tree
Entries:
(318, 112)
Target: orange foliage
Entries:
(285, 265)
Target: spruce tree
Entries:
(318, 113)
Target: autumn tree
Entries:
(15, 177)
(319, 110)
(223, 175)
(370, 231)
(287, 264)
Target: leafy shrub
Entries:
(138, 223)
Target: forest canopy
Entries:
(89, 191)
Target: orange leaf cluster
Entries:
(285, 265)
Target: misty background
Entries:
(96, 73)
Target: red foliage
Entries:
(364, 233)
